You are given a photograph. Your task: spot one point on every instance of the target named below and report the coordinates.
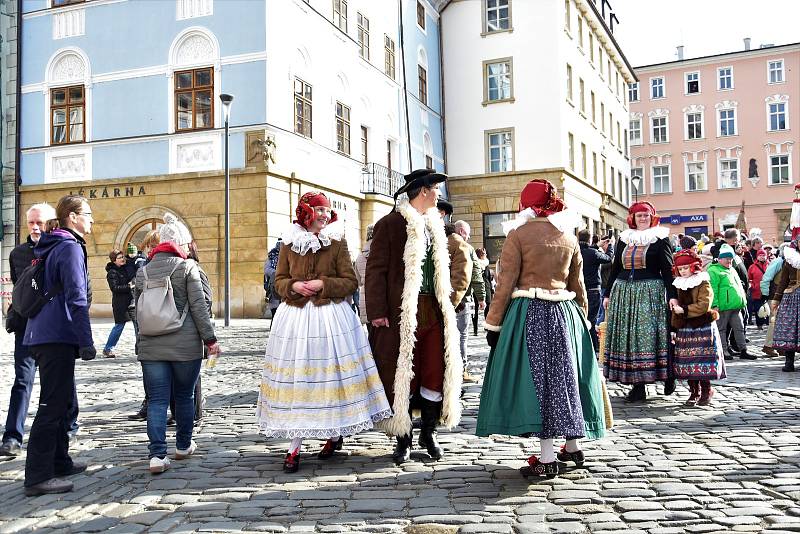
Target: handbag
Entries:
(764, 311)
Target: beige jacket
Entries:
(460, 267)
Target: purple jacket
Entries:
(65, 319)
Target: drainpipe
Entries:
(18, 141)
(405, 84)
(441, 85)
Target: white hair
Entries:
(47, 211)
(462, 225)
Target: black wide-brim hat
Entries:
(444, 206)
(420, 178)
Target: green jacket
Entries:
(728, 291)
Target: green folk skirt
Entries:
(510, 404)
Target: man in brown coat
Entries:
(413, 330)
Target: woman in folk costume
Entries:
(319, 378)
(637, 336)
(786, 338)
(698, 349)
(542, 378)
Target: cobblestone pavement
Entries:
(665, 468)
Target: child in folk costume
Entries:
(319, 378)
(698, 354)
(542, 378)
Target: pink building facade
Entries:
(711, 132)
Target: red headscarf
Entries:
(642, 207)
(305, 208)
(685, 257)
(541, 197)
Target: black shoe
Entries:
(292, 462)
(669, 386)
(535, 468)
(402, 451)
(728, 358)
(77, 467)
(141, 415)
(330, 447)
(54, 485)
(744, 355)
(638, 393)
(427, 434)
(566, 456)
(11, 447)
(788, 367)
(171, 421)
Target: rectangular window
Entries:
(584, 171)
(636, 132)
(389, 62)
(389, 154)
(619, 184)
(581, 95)
(605, 175)
(613, 182)
(428, 161)
(608, 64)
(692, 83)
(657, 88)
(661, 179)
(59, 3)
(571, 148)
(611, 127)
(420, 15)
(659, 125)
(775, 71)
(619, 135)
(728, 173)
(340, 14)
(779, 169)
(725, 75)
(696, 176)
(727, 122)
(364, 144)
(616, 77)
(302, 107)
(777, 116)
(500, 151)
(67, 112)
(363, 35)
(594, 167)
(498, 81)
(567, 15)
(694, 126)
(194, 99)
(600, 57)
(498, 15)
(569, 82)
(342, 128)
(625, 137)
(591, 46)
(422, 75)
(633, 92)
(580, 31)
(594, 110)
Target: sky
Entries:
(650, 30)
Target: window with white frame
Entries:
(498, 15)
(421, 16)
(725, 77)
(777, 116)
(567, 15)
(779, 169)
(580, 31)
(659, 129)
(633, 92)
(584, 170)
(661, 179)
(613, 182)
(729, 174)
(636, 132)
(694, 125)
(657, 88)
(571, 148)
(500, 151)
(594, 108)
(389, 56)
(594, 167)
(696, 176)
(600, 56)
(498, 80)
(569, 82)
(602, 117)
(363, 35)
(775, 71)
(591, 45)
(342, 128)
(582, 95)
(340, 14)
(364, 144)
(727, 122)
(692, 83)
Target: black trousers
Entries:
(48, 443)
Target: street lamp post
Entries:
(636, 181)
(713, 221)
(227, 100)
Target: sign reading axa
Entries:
(680, 219)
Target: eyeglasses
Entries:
(85, 214)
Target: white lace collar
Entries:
(643, 237)
(565, 221)
(688, 282)
(791, 256)
(301, 240)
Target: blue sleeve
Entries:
(73, 278)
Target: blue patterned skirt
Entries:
(787, 323)
(698, 354)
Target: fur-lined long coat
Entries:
(393, 280)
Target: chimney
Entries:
(747, 43)
(680, 53)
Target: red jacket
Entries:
(755, 273)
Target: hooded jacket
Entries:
(121, 294)
(65, 319)
(728, 291)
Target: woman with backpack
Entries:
(118, 279)
(174, 324)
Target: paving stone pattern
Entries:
(664, 469)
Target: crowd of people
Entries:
(381, 340)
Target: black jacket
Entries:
(592, 260)
(121, 294)
(659, 265)
(19, 258)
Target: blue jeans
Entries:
(113, 336)
(19, 401)
(161, 378)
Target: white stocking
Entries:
(295, 445)
(547, 452)
(572, 445)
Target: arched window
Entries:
(137, 233)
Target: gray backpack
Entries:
(156, 312)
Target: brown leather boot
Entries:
(694, 392)
(706, 392)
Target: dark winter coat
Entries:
(65, 319)
(19, 259)
(592, 260)
(121, 294)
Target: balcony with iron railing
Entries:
(380, 180)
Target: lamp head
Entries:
(227, 100)
(636, 181)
